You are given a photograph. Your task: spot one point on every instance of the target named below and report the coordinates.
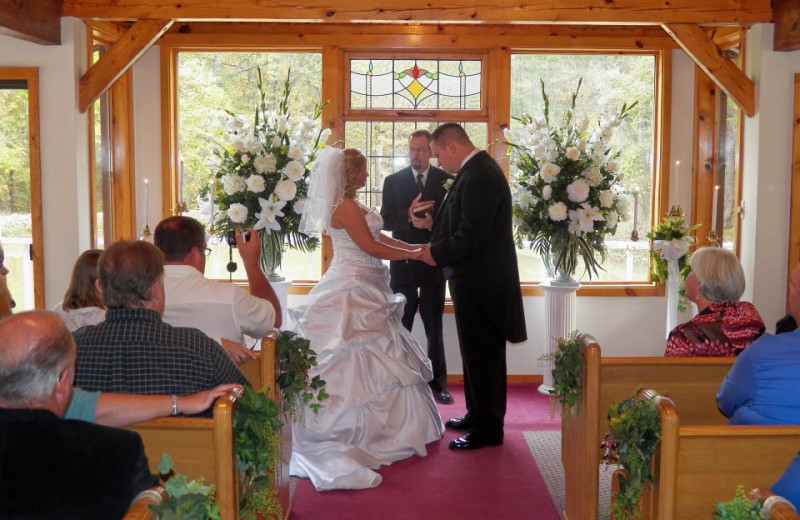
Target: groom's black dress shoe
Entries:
(443, 397)
(471, 441)
(459, 423)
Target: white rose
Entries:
(255, 183)
(285, 190)
(623, 206)
(573, 153)
(612, 166)
(232, 183)
(299, 205)
(294, 171)
(606, 199)
(547, 192)
(265, 163)
(557, 211)
(549, 172)
(237, 213)
(276, 141)
(245, 158)
(239, 144)
(295, 152)
(578, 190)
(593, 176)
(611, 219)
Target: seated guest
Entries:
(785, 324)
(221, 310)
(118, 410)
(788, 486)
(133, 350)
(762, 386)
(82, 304)
(724, 326)
(52, 467)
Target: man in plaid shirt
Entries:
(133, 350)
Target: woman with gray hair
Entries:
(723, 326)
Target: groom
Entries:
(472, 241)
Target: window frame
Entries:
(337, 41)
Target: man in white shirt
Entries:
(221, 310)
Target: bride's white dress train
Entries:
(380, 408)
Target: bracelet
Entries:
(174, 405)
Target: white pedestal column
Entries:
(559, 321)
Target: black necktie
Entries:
(420, 186)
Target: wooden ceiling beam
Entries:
(119, 58)
(787, 25)
(38, 21)
(709, 57)
(640, 12)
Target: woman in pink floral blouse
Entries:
(724, 326)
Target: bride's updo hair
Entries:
(354, 163)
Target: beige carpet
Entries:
(546, 449)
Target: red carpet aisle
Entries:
(500, 483)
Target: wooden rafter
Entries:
(652, 12)
(787, 25)
(709, 57)
(34, 20)
(119, 58)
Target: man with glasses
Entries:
(421, 284)
(223, 311)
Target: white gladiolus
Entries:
(277, 141)
(256, 184)
(583, 126)
(286, 190)
(547, 192)
(237, 213)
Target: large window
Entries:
(608, 81)
(212, 82)
(20, 186)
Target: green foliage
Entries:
(255, 430)
(632, 440)
(295, 358)
(739, 508)
(672, 227)
(186, 499)
(567, 373)
(567, 191)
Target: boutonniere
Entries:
(448, 184)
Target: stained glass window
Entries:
(408, 84)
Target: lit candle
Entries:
(714, 210)
(635, 208)
(677, 183)
(145, 201)
(180, 183)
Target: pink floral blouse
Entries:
(722, 329)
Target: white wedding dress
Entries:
(380, 408)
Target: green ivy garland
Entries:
(567, 374)
(186, 499)
(631, 442)
(740, 508)
(295, 358)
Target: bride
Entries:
(380, 408)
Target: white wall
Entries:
(623, 326)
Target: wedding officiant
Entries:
(422, 285)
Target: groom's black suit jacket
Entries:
(472, 239)
(399, 190)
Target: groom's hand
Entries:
(426, 255)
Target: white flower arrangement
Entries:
(566, 189)
(262, 174)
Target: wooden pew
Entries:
(778, 509)
(203, 447)
(140, 508)
(696, 466)
(692, 383)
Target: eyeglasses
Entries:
(207, 250)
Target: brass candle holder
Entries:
(146, 231)
(676, 211)
(713, 238)
(181, 208)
